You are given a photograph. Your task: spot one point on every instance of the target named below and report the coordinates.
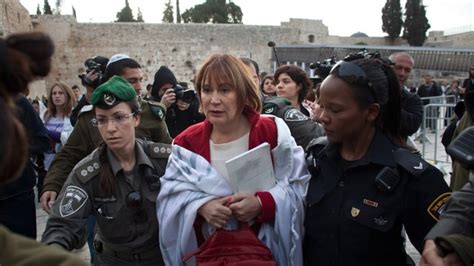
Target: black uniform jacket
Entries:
(353, 219)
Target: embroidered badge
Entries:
(109, 99)
(295, 115)
(371, 203)
(269, 110)
(436, 207)
(73, 200)
(355, 212)
(418, 167)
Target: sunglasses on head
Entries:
(353, 75)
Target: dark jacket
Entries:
(177, 120)
(429, 91)
(355, 214)
(411, 113)
(39, 143)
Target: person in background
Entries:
(77, 93)
(148, 92)
(195, 198)
(253, 68)
(56, 118)
(452, 97)
(117, 183)
(430, 89)
(181, 103)
(366, 183)
(267, 86)
(411, 106)
(28, 55)
(468, 84)
(293, 84)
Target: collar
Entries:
(141, 159)
(380, 151)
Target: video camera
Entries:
(97, 64)
(322, 69)
(184, 94)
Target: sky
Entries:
(343, 17)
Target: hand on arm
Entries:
(431, 256)
(47, 200)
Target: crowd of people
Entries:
(143, 176)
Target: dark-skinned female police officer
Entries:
(365, 184)
(117, 183)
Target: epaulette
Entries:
(318, 144)
(158, 110)
(410, 161)
(87, 168)
(159, 150)
(85, 109)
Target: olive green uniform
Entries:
(128, 233)
(19, 250)
(85, 138)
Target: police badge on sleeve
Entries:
(73, 200)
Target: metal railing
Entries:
(437, 115)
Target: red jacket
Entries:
(262, 129)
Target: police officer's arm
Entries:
(68, 218)
(76, 148)
(411, 114)
(426, 195)
(458, 217)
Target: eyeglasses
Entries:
(134, 202)
(117, 119)
(353, 74)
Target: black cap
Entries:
(162, 76)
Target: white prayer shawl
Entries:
(190, 181)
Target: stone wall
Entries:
(13, 18)
(182, 47)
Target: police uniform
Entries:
(301, 127)
(356, 209)
(126, 217)
(85, 138)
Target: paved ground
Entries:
(433, 152)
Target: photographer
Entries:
(91, 79)
(181, 103)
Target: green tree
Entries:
(47, 8)
(416, 24)
(38, 10)
(178, 14)
(214, 11)
(168, 13)
(58, 5)
(125, 15)
(392, 19)
(74, 12)
(140, 16)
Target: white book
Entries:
(252, 170)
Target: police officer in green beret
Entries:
(85, 138)
(117, 184)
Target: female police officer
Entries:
(365, 185)
(117, 183)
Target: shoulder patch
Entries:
(411, 162)
(438, 206)
(85, 109)
(159, 150)
(294, 115)
(73, 200)
(158, 110)
(87, 170)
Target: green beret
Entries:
(113, 92)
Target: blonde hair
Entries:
(225, 68)
(68, 105)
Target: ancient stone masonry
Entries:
(181, 47)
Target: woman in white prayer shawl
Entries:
(197, 197)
